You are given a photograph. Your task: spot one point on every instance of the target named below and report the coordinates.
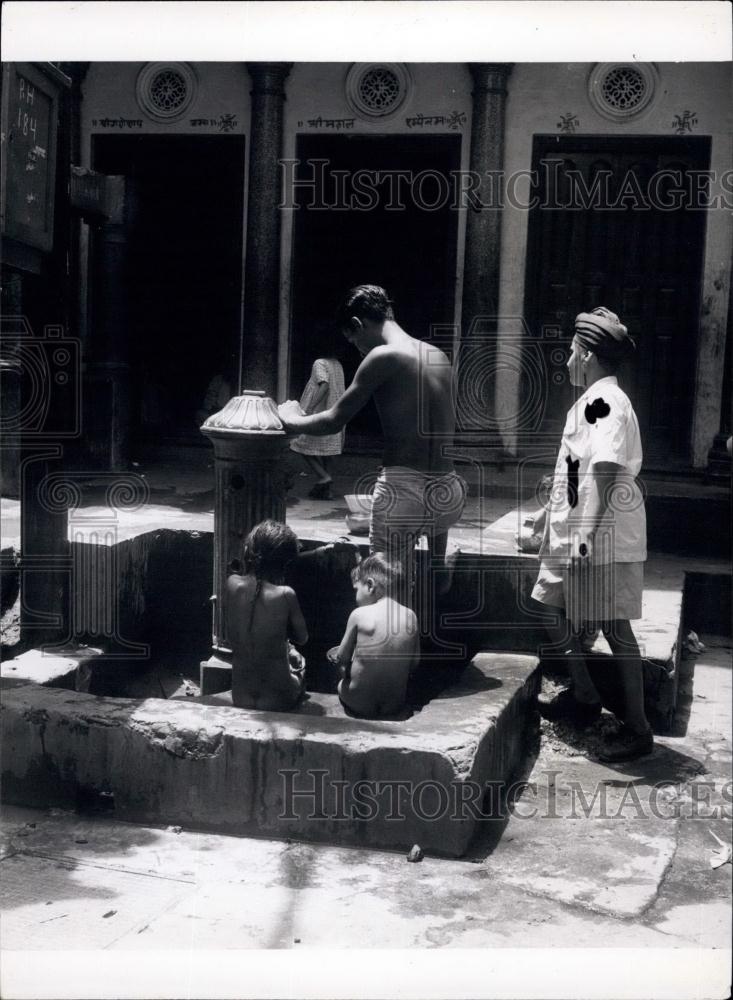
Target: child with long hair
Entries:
(268, 673)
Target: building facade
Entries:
(493, 201)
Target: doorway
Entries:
(640, 255)
(184, 276)
(384, 228)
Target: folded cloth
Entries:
(602, 332)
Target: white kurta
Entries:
(600, 427)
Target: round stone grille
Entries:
(622, 91)
(376, 90)
(624, 88)
(165, 90)
(379, 90)
(168, 91)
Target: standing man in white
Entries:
(594, 548)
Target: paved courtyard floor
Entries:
(595, 881)
(587, 857)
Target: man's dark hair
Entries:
(364, 302)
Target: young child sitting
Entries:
(380, 644)
(267, 672)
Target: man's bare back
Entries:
(411, 383)
(415, 404)
(262, 674)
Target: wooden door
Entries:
(619, 224)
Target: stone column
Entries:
(250, 482)
(262, 264)
(483, 236)
(483, 226)
(35, 409)
(10, 402)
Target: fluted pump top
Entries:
(251, 413)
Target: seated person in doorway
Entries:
(218, 394)
(380, 645)
(268, 673)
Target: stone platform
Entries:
(177, 762)
(368, 783)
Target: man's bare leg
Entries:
(317, 467)
(625, 649)
(566, 641)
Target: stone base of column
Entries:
(215, 675)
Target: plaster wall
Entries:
(539, 94)
(109, 93)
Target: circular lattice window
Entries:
(620, 91)
(166, 90)
(377, 90)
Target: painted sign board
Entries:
(30, 100)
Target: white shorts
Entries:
(408, 503)
(601, 593)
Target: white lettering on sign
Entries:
(27, 91)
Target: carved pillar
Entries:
(483, 235)
(483, 226)
(262, 265)
(249, 443)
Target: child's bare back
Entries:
(379, 648)
(263, 615)
(262, 672)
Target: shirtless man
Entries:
(418, 491)
(380, 645)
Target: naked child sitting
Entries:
(268, 673)
(380, 645)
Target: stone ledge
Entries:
(222, 768)
(67, 668)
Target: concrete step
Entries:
(66, 667)
(315, 774)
